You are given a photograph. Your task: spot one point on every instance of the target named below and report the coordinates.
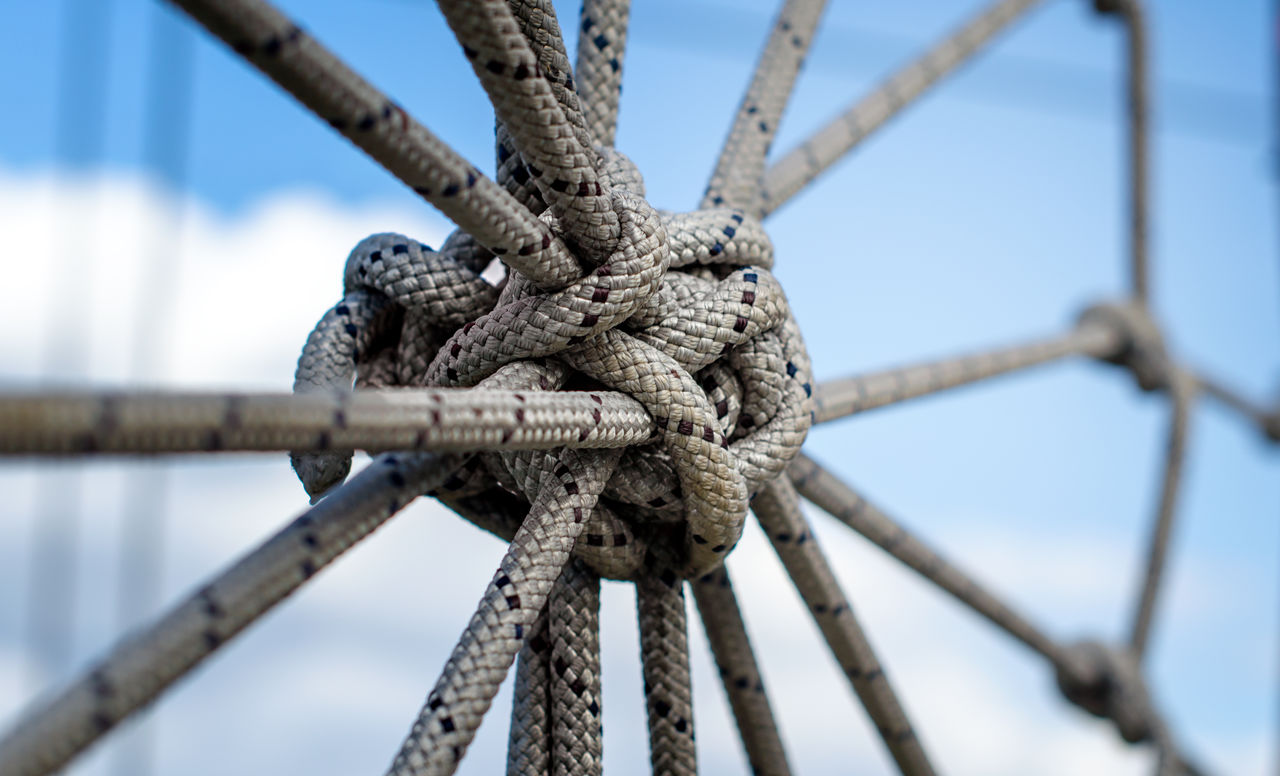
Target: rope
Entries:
(778, 510)
(836, 399)
(800, 166)
(146, 663)
(577, 744)
(1132, 16)
(602, 42)
(736, 179)
(1183, 393)
(739, 673)
(837, 499)
(664, 657)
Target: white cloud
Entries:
(332, 680)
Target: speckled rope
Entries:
(147, 662)
(675, 311)
(739, 673)
(800, 166)
(778, 510)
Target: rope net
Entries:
(613, 408)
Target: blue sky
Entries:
(991, 211)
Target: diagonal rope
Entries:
(456, 705)
(561, 164)
(284, 52)
(1183, 394)
(739, 673)
(800, 166)
(778, 510)
(146, 663)
(736, 178)
(840, 501)
(602, 44)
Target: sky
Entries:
(990, 212)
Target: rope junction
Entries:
(611, 409)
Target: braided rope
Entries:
(778, 510)
(739, 674)
(711, 395)
(799, 167)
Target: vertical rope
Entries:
(529, 736)
(664, 654)
(1182, 391)
(739, 673)
(602, 43)
(576, 732)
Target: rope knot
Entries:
(1108, 683)
(683, 315)
(1142, 349)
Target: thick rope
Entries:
(737, 176)
(381, 128)
(529, 736)
(511, 603)
(577, 731)
(443, 420)
(831, 495)
(835, 399)
(739, 673)
(800, 166)
(602, 44)
(664, 655)
(778, 510)
(147, 662)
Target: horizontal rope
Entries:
(147, 662)
(786, 177)
(441, 420)
(836, 399)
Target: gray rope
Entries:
(150, 660)
(1132, 15)
(1183, 394)
(736, 179)
(664, 655)
(529, 736)
(840, 501)
(778, 510)
(381, 128)
(800, 166)
(577, 732)
(739, 673)
(835, 399)
(602, 43)
(442, 420)
(511, 603)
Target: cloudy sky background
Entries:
(989, 213)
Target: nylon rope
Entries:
(623, 339)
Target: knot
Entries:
(682, 315)
(1108, 683)
(1142, 348)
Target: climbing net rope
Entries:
(614, 408)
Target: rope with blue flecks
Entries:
(676, 313)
